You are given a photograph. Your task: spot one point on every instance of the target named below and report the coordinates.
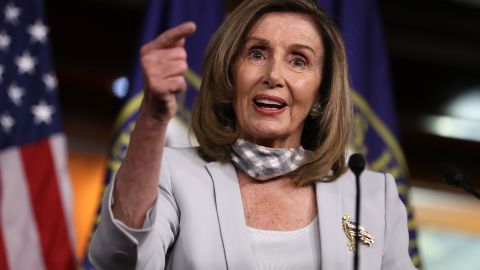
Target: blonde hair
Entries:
(213, 118)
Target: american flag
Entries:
(36, 230)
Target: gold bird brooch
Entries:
(349, 229)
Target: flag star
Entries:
(15, 94)
(4, 41)
(42, 112)
(50, 81)
(11, 13)
(38, 31)
(7, 122)
(25, 63)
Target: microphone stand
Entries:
(357, 165)
(357, 217)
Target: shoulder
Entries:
(177, 162)
(367, 175)
(181, 151)
(178, 155)
(184, 169)
(371, 182)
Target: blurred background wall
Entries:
(434, 50)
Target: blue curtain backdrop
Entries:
(375, 129)
(160, 16)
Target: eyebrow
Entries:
(298, 46)
(295, 46)
(262, 41)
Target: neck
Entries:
(282, 181)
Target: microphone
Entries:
(455, 177)
(356, 163)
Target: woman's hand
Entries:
(164, 62)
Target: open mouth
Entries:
(269, 103)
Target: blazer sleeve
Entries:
(395, 252)
(116, 246)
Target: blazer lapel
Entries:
(238, 251)
(333, 241)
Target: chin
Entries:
(270, 129)
(270, 136)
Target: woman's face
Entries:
(277, 76)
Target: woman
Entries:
(267, 187)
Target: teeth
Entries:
(269, 102)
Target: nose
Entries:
(273, 77)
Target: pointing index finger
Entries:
(173, 36)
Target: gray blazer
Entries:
(198, 222)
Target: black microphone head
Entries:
(452, 175)
(356, 163)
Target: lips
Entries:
(269, 104)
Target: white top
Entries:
(287, 250)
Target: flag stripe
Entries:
(59, 153)
(18, 223)
(3, 256)
(47, 205)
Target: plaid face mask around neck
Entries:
(263, 163)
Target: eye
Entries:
(256, 54)
(299, 62)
